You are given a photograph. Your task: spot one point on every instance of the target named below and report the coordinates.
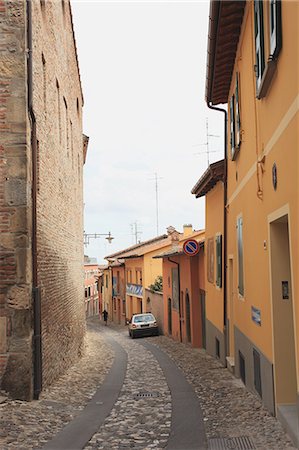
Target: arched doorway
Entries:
(169, 308)
(188, 323)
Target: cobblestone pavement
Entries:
(229, 409)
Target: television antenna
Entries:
(207, 151)
(157, 205)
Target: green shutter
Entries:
(238, 118)
(275, 28)
(240, 256)
(232, 126)
(259, 41)
(219, 261)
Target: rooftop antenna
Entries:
(157, 205)
(207, 151)
(135, 232)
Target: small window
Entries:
(219, 261)
(275, 28)
(257, 372)
(242, 367)
(217, 348)
(240, 256)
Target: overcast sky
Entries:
(143, 68)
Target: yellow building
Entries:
(253, 67)
(141, 270)
(211, 185)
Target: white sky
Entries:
(143, 67)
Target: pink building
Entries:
(91, 277)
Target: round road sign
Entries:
(191, 247)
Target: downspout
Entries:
(224, 228)
(179, 277)
(37, 340)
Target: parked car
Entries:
(143, 325)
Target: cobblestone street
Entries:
(229, 410)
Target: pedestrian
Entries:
(105, 316)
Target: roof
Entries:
(129, 251)
(225, 21)
(178, 249)
(213, 174)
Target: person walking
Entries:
(105, 316)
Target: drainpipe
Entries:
(179, 277)
(224, 228)
(37, 340)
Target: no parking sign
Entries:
(191, 247)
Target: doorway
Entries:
(282, 313)
(203, 317)
(188, 323)
(231, 342)
(169, 309)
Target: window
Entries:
(257, 372)
(240, 256)
(85, 292)
(235, 119)
(275, 28)
(219, 261)
(129, 276)
(259, 41)
(217, 350)
(267, 47)
(88, 291)
(242, 367)
(210, 265)
(106, 281)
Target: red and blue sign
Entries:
(191, 247)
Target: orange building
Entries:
(184, 290)
(252, 66)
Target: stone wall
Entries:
(57, 104)
(15, 206)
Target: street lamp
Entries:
(88, 236)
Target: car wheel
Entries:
(132, 335)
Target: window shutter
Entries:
(259, 40)
(219, 261)
(240, 256)
(275, 28)
(232, 126)
(238, 118)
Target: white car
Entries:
(143, 325)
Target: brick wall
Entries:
(57, 103)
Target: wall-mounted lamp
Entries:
(88, 236)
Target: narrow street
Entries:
(143, 393)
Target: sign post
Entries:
(191, 247)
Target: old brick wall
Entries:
(15, 212)
(57, 104)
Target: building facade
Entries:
(91, 282)
(184, 290)
(257, 76)
(42, 154)
(211, 185)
